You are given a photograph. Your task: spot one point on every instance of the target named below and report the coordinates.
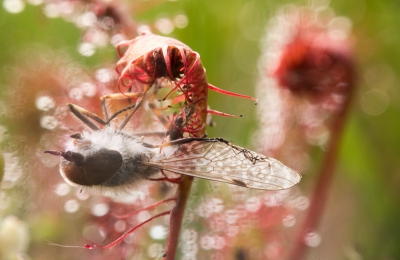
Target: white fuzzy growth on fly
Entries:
(112, 139)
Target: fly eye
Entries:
(101, 166)
(73, 173)
(73, 157)
(93, 170)
(76, 136)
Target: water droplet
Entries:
(207, 208)
(129, 239)
(231, 216)
(302, 203)
(158, 232)
(48, 122)
(116, 39)
(88, 89)
(44, 103)
(219, 243)
(164, 25)
(272, 200)
(51, 10)
(206, 242)
(273, 250)
(75, 93)
(94, 234)
(107, 23)
(340, 25)
(217, 205)
(317, 135)
(5, 200)
(12, 171)
(71, 206)
(337, 35)
(143, 216)
(87, 19)
(155, 250)
(289, 221)
(312, 239)
(62, 189)
(86, 49)
(181, 21)
(100, 209)
(374, 102)
(253, 204)
(14, 236)
(120, 226)
(190, 249)
(232, 231)
(98, 38)
(189, 236)
(104, 75)
(14, 6)
(143, 28)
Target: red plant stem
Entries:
(182, 194)
(323, 183)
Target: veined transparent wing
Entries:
(217, 159)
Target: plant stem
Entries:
(182, 194)
(323, 183)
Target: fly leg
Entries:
(85, 115)
(156, 111)
(139, 96)
(187, 140)
(166, 178)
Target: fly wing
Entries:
(217, 159)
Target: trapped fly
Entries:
(111, 158)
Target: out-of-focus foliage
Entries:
(361, 219)
(1, 166)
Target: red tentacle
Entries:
(119, 240)
(215, 112)
(122, 44)
(229, 93)
(167, 60)
(152, 206)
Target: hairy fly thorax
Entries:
(106, 158)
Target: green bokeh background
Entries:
(365, 194)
